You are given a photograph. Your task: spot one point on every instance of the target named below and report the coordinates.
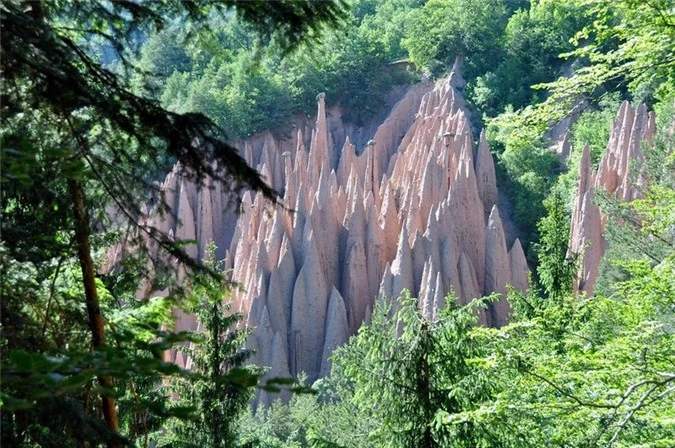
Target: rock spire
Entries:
(619, 176)
(413, 208)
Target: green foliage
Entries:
(609, 379)
(574, 372)
(77, 137)
(423, 373)
(557, 268)
(282, 424)
(219, 388)
(240, 96)
(593, 127)
(571, 371)
(623, 43)
(245, 90)
(352, 72)
(388, 25)
(508, 46)
(531, 168)
(598, 371)
(643, 227)
(162, 54)
(531, 44)
(442, 30)
(49, 371)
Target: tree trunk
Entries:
(91, 298)
(215, 373)
(425, 388)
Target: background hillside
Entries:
(214, 216)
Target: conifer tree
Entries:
(217, 360)
(557, 267)
(415, 378)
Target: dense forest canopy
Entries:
(100, 100)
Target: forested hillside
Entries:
(188, 243)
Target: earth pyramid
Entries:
(413, 208)
(619, 176)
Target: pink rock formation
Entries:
(618, 175)
(406, 210)
(519, 270)
(497, 268)
(485, 175)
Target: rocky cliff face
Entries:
(414, 208)
(618, 175)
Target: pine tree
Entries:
(77, 139)
(557, 267)
(221, 387)
(414, 378)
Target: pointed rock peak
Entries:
(334, 295)
(183, 191)
(386, 284)
(650, 130)
(337, 328)
(248, 153)
(495, 219)
(519, 269)
(246, 201)
(301, 202)
(387, 197)
(265, 173)
(270, 144)
(259, 202)
(427, 272)
(262, 258)
(332, 178)
(320, 140)
(322, 196)
(483, 145)
(321, 100)
(431, 230)
(426, 291)
(384, 185)
(517, 249)
(439, 295)
(404, 240)
(373, 222)
(369, 201)
(564, 148)
(354, 190)
(336, 307)
(466, 167)
(308, 234)
(486, 178)
(417, 239)
(456, 74)
(300, 167)
(356, 196)
(228, 260)
(625, 105)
